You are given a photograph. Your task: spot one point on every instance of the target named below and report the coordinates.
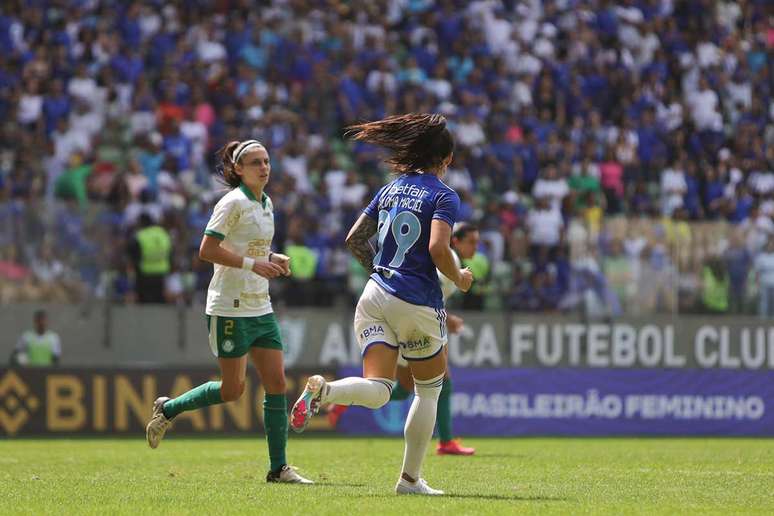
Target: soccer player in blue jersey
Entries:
(465, 238)
(401, 309)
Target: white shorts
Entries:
(381, 318)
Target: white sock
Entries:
(366, 392)
(420, 423)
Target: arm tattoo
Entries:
(358, 243)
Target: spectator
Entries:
(738, 261)
(611, 179)
(480, 265)
(301, 289)
(545, 228)
(764, 271)
(584, 183)
(39, 347)
(673, 188)
(150, 251)
(715, 286)
(625, 89)
(551, 187)
(539, 294)
(704, 107)
(621, 274)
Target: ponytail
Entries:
(416, 141)
(226, 165)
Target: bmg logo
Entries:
(16, 403)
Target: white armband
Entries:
(247, 263)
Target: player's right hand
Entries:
(465, 280)
(267, 270)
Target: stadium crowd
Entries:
(617, 156)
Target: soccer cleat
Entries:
(453, 448)
(335, 412)
(158, 424)
(286, 475)
(419, 487)
(308, 404)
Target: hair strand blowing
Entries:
(416, 141)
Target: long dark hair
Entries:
(416, 141)
(226, 165)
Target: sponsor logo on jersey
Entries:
(372, 331)
(416, 344)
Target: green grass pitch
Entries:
(227, 476)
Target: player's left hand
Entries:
(283, 261)
(454, 323)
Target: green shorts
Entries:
(232, 337)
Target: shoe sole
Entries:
(302, 411)
(147, 433)
(417, 493)
(465, 454)
(148, 438)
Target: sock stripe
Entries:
(387, 383)
(435, 382)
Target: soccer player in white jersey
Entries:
(240, 319)
(401, 309)
(465, 238)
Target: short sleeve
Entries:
(224, 218)
(447, 204)
(56, 345)
(372, 210)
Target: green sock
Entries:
(399, 393)
(275, 423)
(204, 395)
(444, 417)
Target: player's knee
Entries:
(275, 385)
(232, 392)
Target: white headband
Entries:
(244, 147)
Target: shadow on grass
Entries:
(498, 456)
(337, 484)
(513, 498)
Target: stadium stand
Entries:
(617, 156)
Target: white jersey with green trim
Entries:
(447, 286)
(246, 227)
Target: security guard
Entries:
(150, 251)
(39, 347)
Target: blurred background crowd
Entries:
(617, 156)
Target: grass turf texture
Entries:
(218, 476)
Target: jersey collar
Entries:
(249, 194)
